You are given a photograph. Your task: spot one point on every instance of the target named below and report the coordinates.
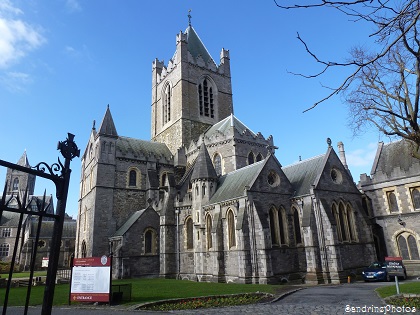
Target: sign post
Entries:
(395, 268)
(90, 280)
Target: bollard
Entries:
(348, 279)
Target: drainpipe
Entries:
(177, 244)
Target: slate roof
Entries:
(232, 185)
(203, 167)
(47, 227)
(196, 46)
(127, 225)
(226, 124)
(10, 219)
(302, 175)
(142, 147)
(393, 155)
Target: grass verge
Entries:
(23, 274)
(388, 293)
(145, 290)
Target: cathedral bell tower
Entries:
(190, 93)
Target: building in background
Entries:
(20, 188)
(393, 202)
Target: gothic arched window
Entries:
(282, 226)
(296, 225)
(392, 202)
(415, 194)
(351, 225)
(407, 245)
(84, 250)
(274, 228)
(251, 158)
(149, 241)
(132, 180)
(189, 233)
(206, 99)
(259, 157)
(343, 225)
(217, 162)
(163, 180)
(15, 186)
(167, 98)
(337, 220)
(231, 229)
(209, 227)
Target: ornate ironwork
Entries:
(59, 173)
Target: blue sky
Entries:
(63, 61)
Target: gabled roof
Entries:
(10, 219)
(127, 225)
(47, 229)
(230, 122)
(232, 185)
(203, 167)
(196, 46)
(143, 148)
(107, 126)
(302, 175)
(393, 155)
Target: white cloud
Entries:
(17, 37)
(73, 6)
(362, 157)
(15, 81)
(7, 8)
(78, 54)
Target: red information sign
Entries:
(91, 279)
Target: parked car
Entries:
(375, 272)
(378, 271)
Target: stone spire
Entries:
(107, 126)
(203, 168)
(23, 161)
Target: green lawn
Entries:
(409, 287)
(23, 274)
(144, 290)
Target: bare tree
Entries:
(383, 87)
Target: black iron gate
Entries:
(60, 174)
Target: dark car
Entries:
(375, 272)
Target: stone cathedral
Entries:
(206, 199)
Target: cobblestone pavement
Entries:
(339, 299)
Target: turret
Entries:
(203, 179)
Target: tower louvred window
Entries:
(206, 99)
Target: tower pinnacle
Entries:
(189, 17)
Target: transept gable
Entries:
(272, 178)
(333, 176)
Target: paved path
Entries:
(338, 299)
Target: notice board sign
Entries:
(45, 261)
(91, 279)
(394, 266)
